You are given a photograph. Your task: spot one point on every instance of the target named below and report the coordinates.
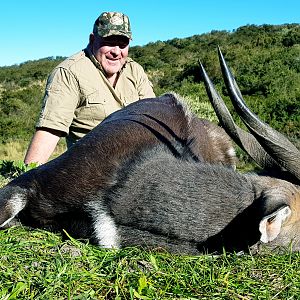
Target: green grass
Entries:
(36, 264)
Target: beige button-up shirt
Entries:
(78, 96)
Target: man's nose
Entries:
(116, 49)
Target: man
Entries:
(88, 86)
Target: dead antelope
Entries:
(56, 195)
(150, 175)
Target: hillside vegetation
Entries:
(264, 59)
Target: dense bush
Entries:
(264, 59)
(21, 92)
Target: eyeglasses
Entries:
(115, 40)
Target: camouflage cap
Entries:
(112, 23)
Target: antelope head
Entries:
(273, 152)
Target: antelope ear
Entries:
(270, 225)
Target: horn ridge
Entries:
(276, 144)
(219, 106)
(242, 138)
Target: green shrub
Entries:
(11, 169)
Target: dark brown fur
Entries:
(56, 192)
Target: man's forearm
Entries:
(42, 146)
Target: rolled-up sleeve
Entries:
(61, 98)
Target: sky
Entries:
(34, 29)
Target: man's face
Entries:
(111, 52)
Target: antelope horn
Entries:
(241, 137)
(274, 143)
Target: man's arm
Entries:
(42, 145)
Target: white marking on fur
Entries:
(106, 231)
(15, 205)
(231, 152)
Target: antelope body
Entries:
(55, 195)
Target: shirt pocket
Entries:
(92, 108)
(97, 106)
